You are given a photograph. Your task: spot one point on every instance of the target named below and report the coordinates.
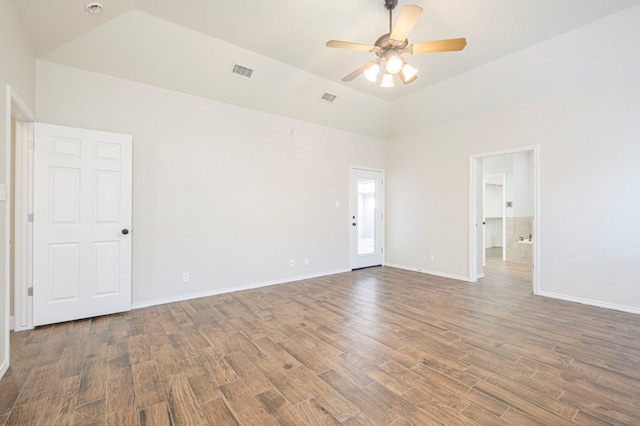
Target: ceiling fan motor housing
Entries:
(386, 47)
(390, 4)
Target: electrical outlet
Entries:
(432, 258)
(306, 261)
(185, 277)
(292, 263)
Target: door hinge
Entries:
(381, 249)
(30, 291)
(30, 218)
(31, 143)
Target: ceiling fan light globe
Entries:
(409, 72)
(387, 80)
(371, 73)
(394, 65)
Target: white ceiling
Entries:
(294, 32)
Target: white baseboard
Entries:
(481, 275)
(12, 323)
(217, 291)
(430, 272)
(4, 367)
(600, 304)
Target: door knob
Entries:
(125, 231)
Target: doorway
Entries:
(518, 214)
(494, 216)
(366, 210)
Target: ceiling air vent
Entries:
(242, 72)
(328, 97)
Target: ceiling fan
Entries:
(390, 47)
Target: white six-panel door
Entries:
(82, 219)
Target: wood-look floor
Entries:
(376, 346)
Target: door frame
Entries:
(18, 110)
(23, 227)
(475, 229)
(352, 169)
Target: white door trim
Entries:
(473, 211)
(23, 197)
(15, 108)
(23, 228)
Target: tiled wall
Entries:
(519, 252)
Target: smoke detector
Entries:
(94, 7)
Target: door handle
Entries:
(125, 231)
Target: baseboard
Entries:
(4, 367)
(597, 303)
(12, 323)
(430, 272)
(481, 275)
(217, 291)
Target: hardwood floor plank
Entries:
(182, 403)
(279, 408)
(9, 391)
(201, 382)
(219, 369)
(368, 347)
(358, 397)
(92, 413)
(247, 371)
(482, 416)
(155, 415)
(244, 404)
(37, 386)
(93, 381)
(304, 382)
(313, 413)
(121, 408)
(147, 385)
(26, 414)
(303, 356)
(60, 406)
(217, 412)
(521, 404)
(276, 356)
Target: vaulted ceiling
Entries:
(294, 32)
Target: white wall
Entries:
(17, 69)
(140, 47)
(225, 193)
(589, 174)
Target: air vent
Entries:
(242, 72)
(328, 97)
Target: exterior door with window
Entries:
(366, 207)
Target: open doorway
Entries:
(494, 216)
(504, 230)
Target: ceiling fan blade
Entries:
(360, 70)
(351, 46)
(406, 21)
(449, 45)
